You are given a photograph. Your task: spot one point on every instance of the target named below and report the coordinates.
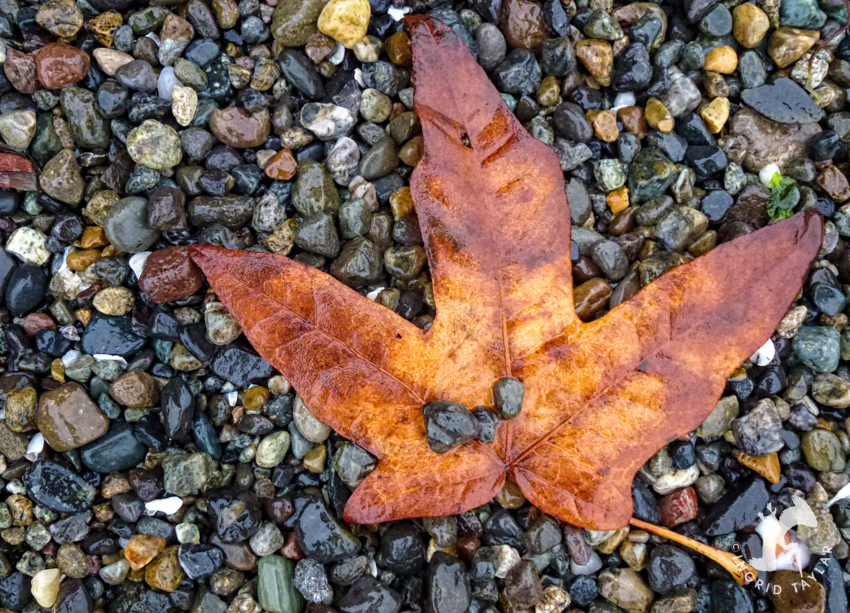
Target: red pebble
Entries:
(291, 549)
(59, 65)
(169, 275)
(678, 507)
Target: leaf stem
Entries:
(735, 565)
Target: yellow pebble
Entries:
(721, 59)
(345, 21)
(618, 200)
(604, 125)
(657, 115)
(715, 114)
(767, 466)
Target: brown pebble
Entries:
(35, 322)
(93, 237)
(591, 297)
(59, 65)
(282, 166)
(20, 70)
(604, 125)
(633, 120)
(238, 128)
(164, 573)
(169, 275)
(79, 260)
(68, 418)
(135, 389)
(142, 549)
(521, 21)
(834, 183)
(398, 49)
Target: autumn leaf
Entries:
(600, 397)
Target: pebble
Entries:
(127, 228)
(345, 21)
(61, 177)
(308, 425)
(625, 588)
(169, 274)
(597, 57)
(448, 425)
(787, 45)
(186, 474)
(58, 488)
(29, 245)
(737, 508)
(142, 549)
(164, 572)
(276, 590)
(155, 145)
(45, 586)
(59, 65)
(238, 128)
(110, 60)
(114, 451)
(68, 418)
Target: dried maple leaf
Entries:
(600, 397)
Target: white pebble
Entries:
(507, 558)
(398, 14)
(105, 357)
(593, 565)
(764, 354)
(70, 357)
(623, 100)
(29, 245)
(45, 586)
(373, 295)
(137, 262)
(669, 483)
(232, 397)
(166, 82)
(35, 447)
(169, 506)
(766, 174)
(338, 55)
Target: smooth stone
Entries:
(105, 334)
(17, 129)
(169, 274)
(57, 488)
(300, 71)
(321, 537)
(276, 591)
(115, 451)
(783, 101)
(737, 508)
(89, 129)
(295, 21)
(110, 60)
(238, 128)
(155, 145)
(60, 178)
(127, 228)
(68, 418)
(59, 65)
(26, 288)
